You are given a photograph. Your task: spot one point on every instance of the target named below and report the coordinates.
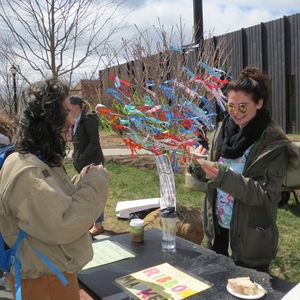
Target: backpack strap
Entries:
(17, 263)
(15, 259)
(58, 273)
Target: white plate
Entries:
(261, 294)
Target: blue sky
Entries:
(219, 16)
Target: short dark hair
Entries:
(74, 99)
(42, 119)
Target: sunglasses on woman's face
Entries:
(241, 107)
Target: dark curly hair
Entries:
(42, 118)
(251, 81)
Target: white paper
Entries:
(124, 208)
(293, 294)
(202, 160)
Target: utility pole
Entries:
(198, 21)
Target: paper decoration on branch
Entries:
(167, 124)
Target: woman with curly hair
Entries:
(249, 156)
(38, 197)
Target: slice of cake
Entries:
(243, 286)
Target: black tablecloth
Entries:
(191, 258)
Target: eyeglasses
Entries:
(241, 107)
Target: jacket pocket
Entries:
(68, 257)
(259, 245)
(275, 174)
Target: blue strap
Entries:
(22, 234)
(58, 273)
(18, 286)
(17, 263)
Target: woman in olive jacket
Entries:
(251, 156)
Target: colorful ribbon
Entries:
(173, 124)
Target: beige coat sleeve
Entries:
(50, 208)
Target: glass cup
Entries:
(168, 229)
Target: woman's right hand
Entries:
(199, 152)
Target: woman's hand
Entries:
(100, 166)
(211, 170)
(199, 152)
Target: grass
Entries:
(131, 183)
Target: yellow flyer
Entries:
(161, 282)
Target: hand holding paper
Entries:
(210, 169)
(198, 154)
(202, 159)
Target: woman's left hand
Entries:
(211, 171)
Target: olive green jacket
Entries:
(55, 212)
(256, 195)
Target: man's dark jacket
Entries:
(87, 149)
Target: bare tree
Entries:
(6, 95)
(56, 37)
(168, 92)
(163, 59)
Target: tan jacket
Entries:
(55, 213)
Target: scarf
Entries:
(232, 142)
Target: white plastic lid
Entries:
(137, 222)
